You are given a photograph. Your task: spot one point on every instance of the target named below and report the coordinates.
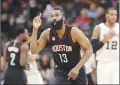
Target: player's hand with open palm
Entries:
(37, 22)
(110, 34)
(73, 74)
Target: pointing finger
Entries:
(69, 74)
(40, 15)
(68, 77)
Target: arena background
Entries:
(84, 14)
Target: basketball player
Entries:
(90, 67)
(66, 42)
(33, 75)
(15, 56)
(105, 39)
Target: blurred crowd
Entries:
(84, 14)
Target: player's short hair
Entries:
(109, 9)
(19, 31)
(61, 9)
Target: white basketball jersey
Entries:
(110, 51)
(32, 67)
(90, 64)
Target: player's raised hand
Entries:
(111, 33)
(37, 22)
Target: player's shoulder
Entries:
(101, 23)
(98, 27)
(75, 30)
(46, 31)
(45, 34)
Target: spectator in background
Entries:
(12, 26)
(32, 9)
(88, 2)
(51, 77)
(68, 21)
(5, 7)
(69, 11)
(84, 23)
(105, 3)
(5, 28)
(21, 21)
(52, 65)
(100, 16)
(78, 6)
(45, 62)
(92, 12)
(48, 9)
(47, 14)
(83, 18)
(12, 20)
(15, 5)
(45, 68)
(24, 7)
(114, 2)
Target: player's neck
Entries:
(109, 25)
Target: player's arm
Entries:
(84, 43)
(24, 54)
(37, 46)
(96, 44)
(32, 56)
(3, 64)
(4, 58)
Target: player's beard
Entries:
(57, 25)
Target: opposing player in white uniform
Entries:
(90, 68)
(105, 39)
(33, 75)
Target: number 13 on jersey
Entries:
(63, 58)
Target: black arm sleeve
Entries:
(96, 44)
